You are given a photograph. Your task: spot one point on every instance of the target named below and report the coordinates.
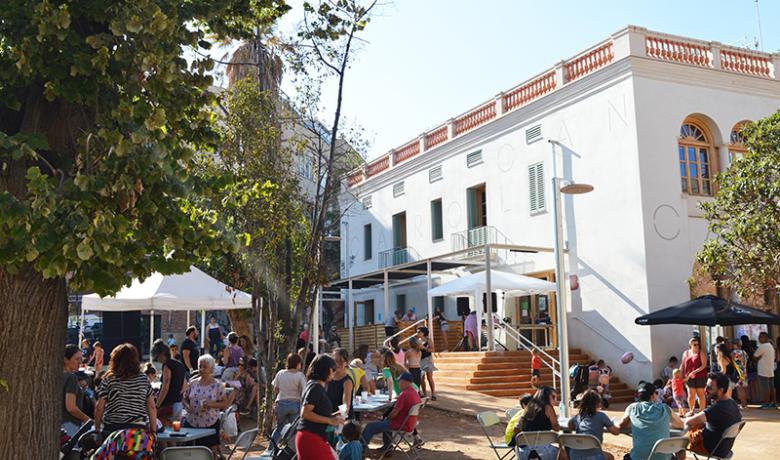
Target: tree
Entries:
(744, 217)
(100, 117)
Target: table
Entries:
(184, 434)
(374, 404)
(564, 423)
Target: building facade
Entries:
(647, 118)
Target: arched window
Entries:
(737, 145)
(696, 154)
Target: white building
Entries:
(645, 117)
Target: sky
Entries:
(426, 61)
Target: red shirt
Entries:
(405, 401)
(536, 362)
(678, 387)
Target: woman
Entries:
(246, 344)
(73, 395)
(215, 337)
(169, 403)
(413, 356)
(341, 388)
(694, 369)
(231, 356)
(125, 395)
(247, 396)
(288, 387)
(204, 398)
(590, 420)
(398, 352)
(726, 365)
(394, 371)
(540, 415)
(317, 415)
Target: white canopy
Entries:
(194, 290)
(513, 283)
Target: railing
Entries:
(737, 61)
(528, 345)
(477, 237)
(631, 41)
(677, 51)
(397, 256)
(590, 61)
(387, 341)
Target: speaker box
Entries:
(121, 327)
(494, 300)
(463, 306)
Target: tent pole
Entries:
(489, 300)
(386, 298)
(151, 332)
(203, 329)
(478, 306)
(81, 327)
(430, 307)
(188, 318)
(349, 316)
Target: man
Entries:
(189, 350)
(169, 400)
(740, 359)
(668, 371)
(706, 428)
(765, 356)
(649, 421)
(390, 323)
(395, 420)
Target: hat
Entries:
(406, 376)
(645, 387)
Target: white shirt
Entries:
(390, 321)
(290, 384)
(766, 362)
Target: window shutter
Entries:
(536, 187)
(474, 158)
(434, 174)
(533, 134)
(437, 231)
(398, 189)
(367, 243)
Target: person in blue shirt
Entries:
(649, 422)
(590, 420)
(353, 449)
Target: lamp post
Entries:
(570, 188)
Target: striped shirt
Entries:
(125, 399)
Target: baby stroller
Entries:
(81, 444)
(284, 449)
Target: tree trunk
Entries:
(33, 313)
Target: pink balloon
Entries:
(627, 357)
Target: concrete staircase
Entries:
(505, 373)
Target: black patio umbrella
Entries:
(709, 310)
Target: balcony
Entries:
(477, 238)
(397, 256)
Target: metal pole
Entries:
(563, 332)
(151, 332)
(81, 327)
(202, 329)
(387, 298)
(188, 318)
(478, 306)
(349, 316)
(489, 300)
(430, 307)
(315, 321)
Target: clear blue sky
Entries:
(428, 60)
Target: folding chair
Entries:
(534, 439)
(244, 442)
(668, 446)
(578, 441)
(511, 413)
(187, 453)
(487, 419)
(399, 436)
(730, 433)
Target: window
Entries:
(474, 158)
(367, 246)
(434, 174)
(533, 134)
(536, 187)
(695, 150)
(400, 302)
(437, 230)
(737, 146)
(398, 189)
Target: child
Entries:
(443, 326)
(151, 372)
(536, 366)
(677, 382)
(514, 427)
(590, 420)
(413, 356)
(353, 449)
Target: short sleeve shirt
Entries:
(720, 416)
(188, 344)
(315, 395)
(125, 399)
(71, 385)
(290, 385)
(405, 401)
(766, 362)
(592, 424)
(198, 394)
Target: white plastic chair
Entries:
(668, 446)
(187, 453)
(730, 433)
(243, 442)
(509, 413)
(534, 439)
(486, 420)
(399, 436)
(579, 441)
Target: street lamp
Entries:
(570, 188)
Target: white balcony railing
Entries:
(397, 256)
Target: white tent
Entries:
(194, 290)
(478, 283)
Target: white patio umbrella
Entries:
(193, 290)
(477, 283)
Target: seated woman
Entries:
(247, 396)
(125, 397)
(592, 421)
(204, 398)
(539, 415)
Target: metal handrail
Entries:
(387, 340)
(529, 345)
